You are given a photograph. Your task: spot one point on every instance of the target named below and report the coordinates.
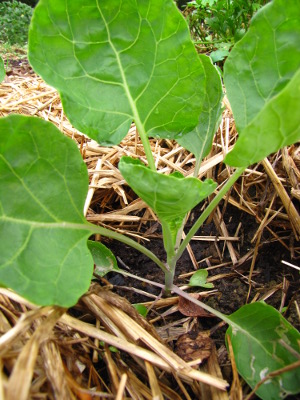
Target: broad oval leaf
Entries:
(170, 196)
(260, 67)
(104, 259)
(43, 236)
(199, 140)
(2, 70)
(263, 341)
(116, 61)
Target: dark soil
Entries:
(269, 271)
(232, 291)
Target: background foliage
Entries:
(31, 3)
(14, 22)
(216, 25)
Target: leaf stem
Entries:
(125, 239)
(181, 293)
(209, 209)
(146, 144)
(197, 166)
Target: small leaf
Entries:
(116, 61)
(261, 77)
(43, 233)
(141, 309)
(170, 196)
(199, 279)
(104, 259)
(263, 341)
(2, 70)
(199, 140)
(219, 55)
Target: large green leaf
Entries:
(2, 70)
(199, 140)
(263, 341)
(43, 236)
(260, 67)
(115, 61)
(170, 196)
(276, 125)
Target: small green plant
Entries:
(217, 25)
(110, 73)
(14, 22)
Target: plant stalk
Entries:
(181, 293)
(169, 279)
(206, 213)
(146, 143)
(126, 240)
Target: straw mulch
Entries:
(102, 348)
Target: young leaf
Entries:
(200, 139)
(263, 341)
(199, 279)
(104, 259)
(170, 196)
(141, 309)
(43, 236)
(2, 70)
(262, 85)
(219, 55)
(115, 61)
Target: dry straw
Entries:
(65, 354)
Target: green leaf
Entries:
(276, 125)
(141, 309)
(263, 341)
(104, 259)
(219, 55)
(170, 196)
(43, 235)
(262, 84)
(116, 61)
(199, 140)
(199, 279)
(2, 70)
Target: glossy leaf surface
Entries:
(115, 61)
(43, 236)
(2, 70)
(263, 341)
(170, 196)
(199, 140)
(104, 259)
(262, 83)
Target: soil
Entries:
(233, 290)
(270, 278)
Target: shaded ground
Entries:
(233, 290)
(271, 280)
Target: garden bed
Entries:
(246, 246)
